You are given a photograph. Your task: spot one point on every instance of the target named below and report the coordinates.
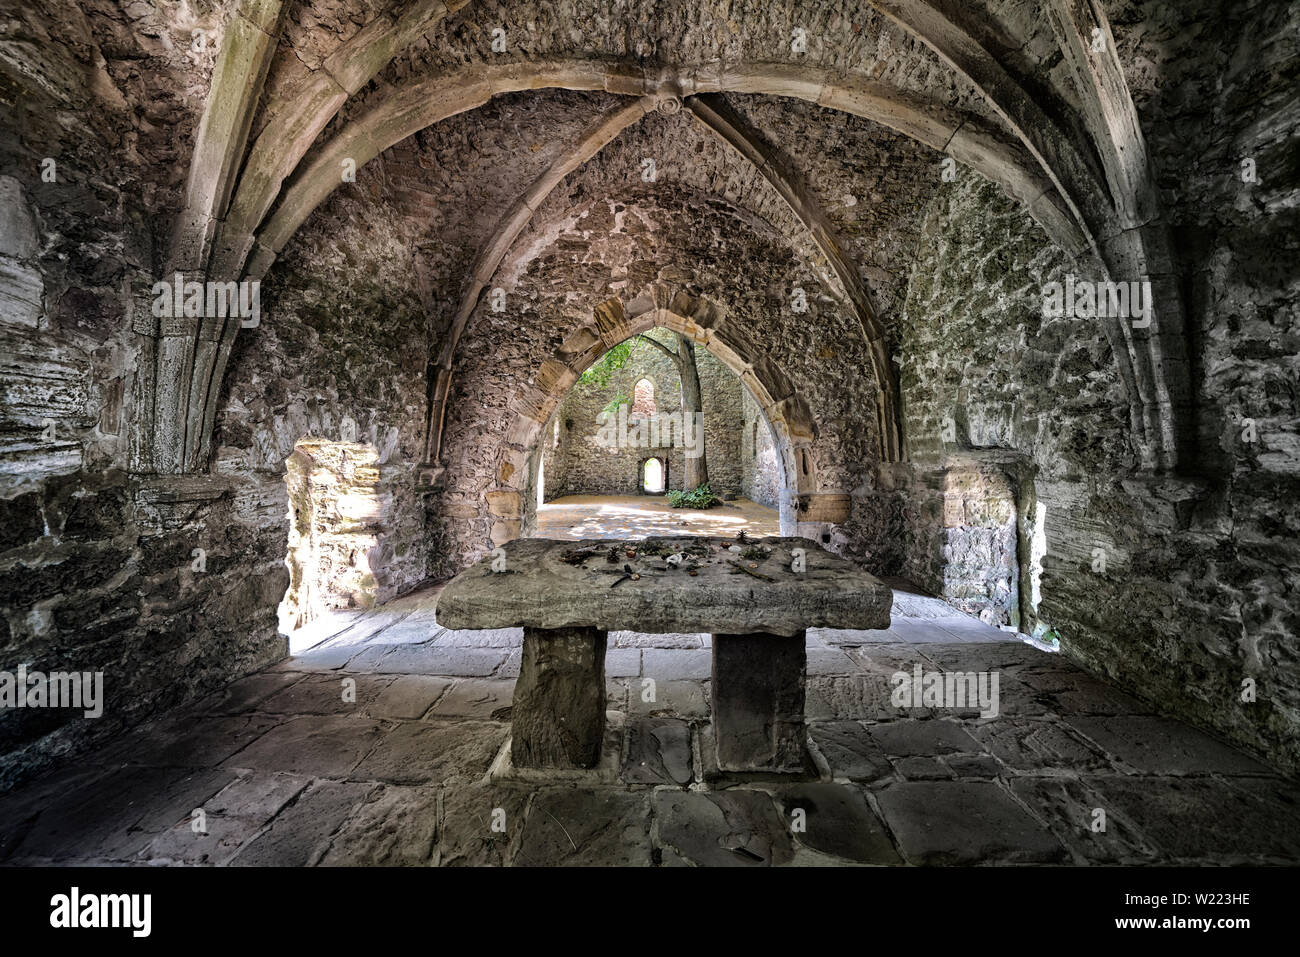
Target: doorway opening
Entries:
(654, 476)
(335, 509)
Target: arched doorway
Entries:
(654, 476)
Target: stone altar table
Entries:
(756, 597)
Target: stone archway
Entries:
(804, 508)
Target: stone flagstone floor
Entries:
(280, 769)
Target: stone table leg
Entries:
(758, 698)
(558, 713)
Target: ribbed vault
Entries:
(282, 124)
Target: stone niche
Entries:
(338, 512)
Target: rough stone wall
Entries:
(1177, 589)
(587, 468)
(158, 583)
(168, 585)
(341, 355)
(761, 468)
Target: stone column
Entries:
(758, 700)
(558, 714)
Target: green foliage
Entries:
(614, 403)
(603, 369)
(701, 497)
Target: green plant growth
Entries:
(612, 406)
(600, 371)
(701, 497)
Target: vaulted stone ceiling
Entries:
(894, 71)
(1003, 86)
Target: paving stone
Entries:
(328, 658)
(734, 828)
(433, 660)
(323, 628)
(408, 697)
(300, 835)
(973, 765)
(1163, 746)
(510, 669)
(433, 751)
(685, 665)
(1208, 820)
(1072, 691)
(466, 835)
(587, 827)
(485, 638)
(838, 822)
(394, 827)
(367, 658)
(636, 639)
(965, 628)
(850, 751)
(888, 658)
(410, 631)
(327, 694)
(910, 737)
(622, 662)
(908, 603)
(1029, 744)
(923, 769)
(987, 656)
(836, 637)
(246, 693)
(1017, 699)
(830, 661)
(364, 629)
(422, 600)
(914, 632)
(847, 697)
(118, 814)
(232, 817)
(964, 822)
(327, 747)
(684, 699)
(20, 808)
(658, 751)
(187, 740)
(1068, 806)
(474, 698)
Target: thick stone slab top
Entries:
(665, 585)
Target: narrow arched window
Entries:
(643, 398)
